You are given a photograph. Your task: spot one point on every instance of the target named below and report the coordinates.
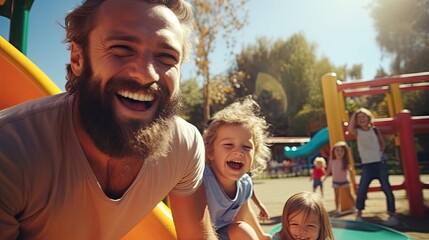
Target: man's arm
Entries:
(191, 215)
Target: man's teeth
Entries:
(136, 96)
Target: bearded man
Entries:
(90, 163)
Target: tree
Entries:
(214, 18)
(291, 62)
(311, 117)
(295, 64)
(403, 32)
(192, 110)
(253, 59)
(355, 72)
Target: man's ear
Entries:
(76, 58)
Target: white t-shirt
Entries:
(368, 146)
(47, 187)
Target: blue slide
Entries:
(317, 141)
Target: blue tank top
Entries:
(222, 208)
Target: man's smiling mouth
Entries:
(137, 101)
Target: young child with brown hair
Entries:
(304, 217)
(340, 168)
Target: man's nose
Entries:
(144, 70)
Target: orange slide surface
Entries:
(21, 80)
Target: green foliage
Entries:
(214, 19)
(192, 110)
(309, 120)
(249, 62)
(417, 102)
(377, 104)
(403, 32)
(294, 63)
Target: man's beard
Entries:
(124, 138)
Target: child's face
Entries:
(318, 164)
(362, 119)
(339, 152)
(232, 152)
(304, 227)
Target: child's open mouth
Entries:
(235, 164)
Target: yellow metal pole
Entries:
(397, 104)
(390, 107)
(333, 112)
(343, 113)
(332, 109)
(397, 99)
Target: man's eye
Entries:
(167, 59)
(121, 50)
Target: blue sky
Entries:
(341, 29)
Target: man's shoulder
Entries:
(179, 121)
(186, 139)
(32, 107)
(184, 128)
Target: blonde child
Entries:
(317, 173)
(304, 217)
(235, 146)
(339, 166)
(371, 146)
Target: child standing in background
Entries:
(371, 147)
(317, 174)
(304, 217)
(235, 146)
(339, 166)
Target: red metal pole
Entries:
(413, 184)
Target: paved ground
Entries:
(274, 192)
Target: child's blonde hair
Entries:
(246, 113)
(319, 161)
(368, 114)
(307, 202)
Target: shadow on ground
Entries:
(406, 224)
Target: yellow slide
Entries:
(22, 80)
